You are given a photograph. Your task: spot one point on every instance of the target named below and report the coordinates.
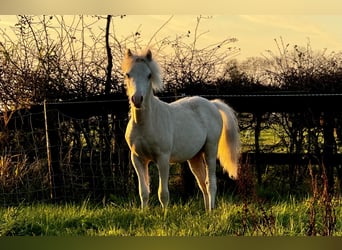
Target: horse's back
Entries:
(202, 109)
(194, 103)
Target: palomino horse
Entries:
(191, 129)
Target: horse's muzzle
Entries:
(137, 101)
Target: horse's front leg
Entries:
(163, 190)
(141, 168)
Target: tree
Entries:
(302, 69)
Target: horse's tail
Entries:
(229, 144)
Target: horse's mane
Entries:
(130, 59)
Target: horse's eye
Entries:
(127, 75)
(149, 76)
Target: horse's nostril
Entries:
(137, 101)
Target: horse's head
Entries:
(141, 76)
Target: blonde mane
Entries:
(130, 59)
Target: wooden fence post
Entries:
(48, 151)
(257, 130)
(329, 148)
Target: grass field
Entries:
(232, 217)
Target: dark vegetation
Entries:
(74, 148)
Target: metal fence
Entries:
(49, 155)
(75, 150)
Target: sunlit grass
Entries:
(289, 217)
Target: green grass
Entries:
(290, 217)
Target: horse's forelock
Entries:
(140, 59)
(130, 60)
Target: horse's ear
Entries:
(149, 55)
(128, 53)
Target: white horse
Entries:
(191, 129)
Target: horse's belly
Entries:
(187, 145)
(184, 155)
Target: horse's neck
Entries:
(137, 116)
(145, 115)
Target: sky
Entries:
(255, 33)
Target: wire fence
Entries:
(63, 158)
(71, 153)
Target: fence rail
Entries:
(285, 102)
(286, 159)
(250, 103)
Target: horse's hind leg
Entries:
(198, 168)
(210, 152)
